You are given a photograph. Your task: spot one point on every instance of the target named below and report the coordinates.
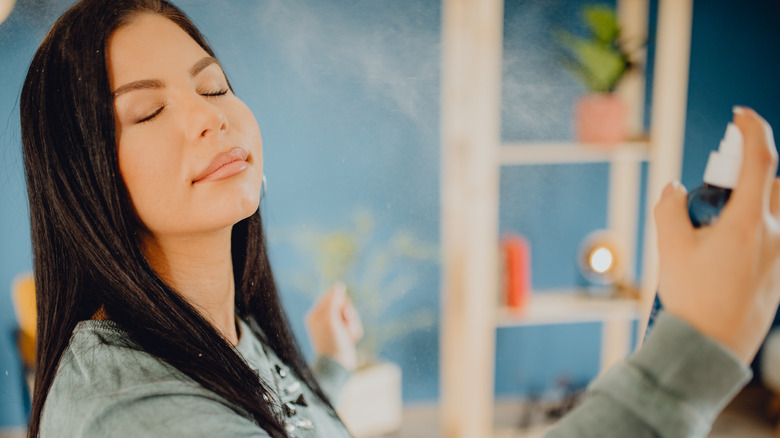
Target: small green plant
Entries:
(598, 60)
(377, 272)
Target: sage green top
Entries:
(674, 386)
(103, 388)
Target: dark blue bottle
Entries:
(706, 201)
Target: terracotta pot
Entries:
(601, 118)
(370, 404)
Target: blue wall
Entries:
(733, 61)
(346, 95)
(20, 35)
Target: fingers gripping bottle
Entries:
(706, 201)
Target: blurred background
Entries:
(347, 96)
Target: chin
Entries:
(230, 212)
(245, 206)
(249, 208)
(227, 219)
(227, 202)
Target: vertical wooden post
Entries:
(632, 16)
(670, 98)
(625, 173)
(470, 133)
(615, 340)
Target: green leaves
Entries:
(602, 22)
(597, 60)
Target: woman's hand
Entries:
(334, 326)
(725, 280)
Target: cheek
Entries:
(151, 182)
(244, 121)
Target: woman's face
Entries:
(190, 151)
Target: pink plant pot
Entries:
(601, 119)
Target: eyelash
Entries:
(151, 116)
(221, 92)
(217, 93)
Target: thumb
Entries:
(352, 321)
(671, 218)
(338, 297)
(759, 166)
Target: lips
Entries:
(224, 165)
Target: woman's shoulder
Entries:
(104, 379)
(102, 355)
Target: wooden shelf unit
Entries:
(571, 153)
(567, 306)
(472, 156)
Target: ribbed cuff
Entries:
(678, 381)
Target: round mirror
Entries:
(601, 258)
(5, 9)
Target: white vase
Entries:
(370, 404)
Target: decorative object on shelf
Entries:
(378, 272)
(6, 6)
(516, 255)
(23, 295)
(370, 403)
(600, 62)
(601, 119)
(601, 261)
(544, 408)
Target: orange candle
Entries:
(517, 270)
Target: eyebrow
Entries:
(202, 64)
(146, 84)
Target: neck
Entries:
(200, 268)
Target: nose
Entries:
(206, 118)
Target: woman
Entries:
(157, 307)
(144, 173)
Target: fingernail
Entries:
(673, 187)
(737, 109)
(669, 188)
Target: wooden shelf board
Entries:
(567, 307)
(569, 153)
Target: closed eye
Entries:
(221, 92)
(217, 93)
(152, 115)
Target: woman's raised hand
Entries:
(334, 326)
(725, 280)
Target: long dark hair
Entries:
(85, 232)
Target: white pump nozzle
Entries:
(724, 164)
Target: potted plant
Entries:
(599, 61)
(378, 272)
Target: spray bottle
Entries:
(706, 201)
